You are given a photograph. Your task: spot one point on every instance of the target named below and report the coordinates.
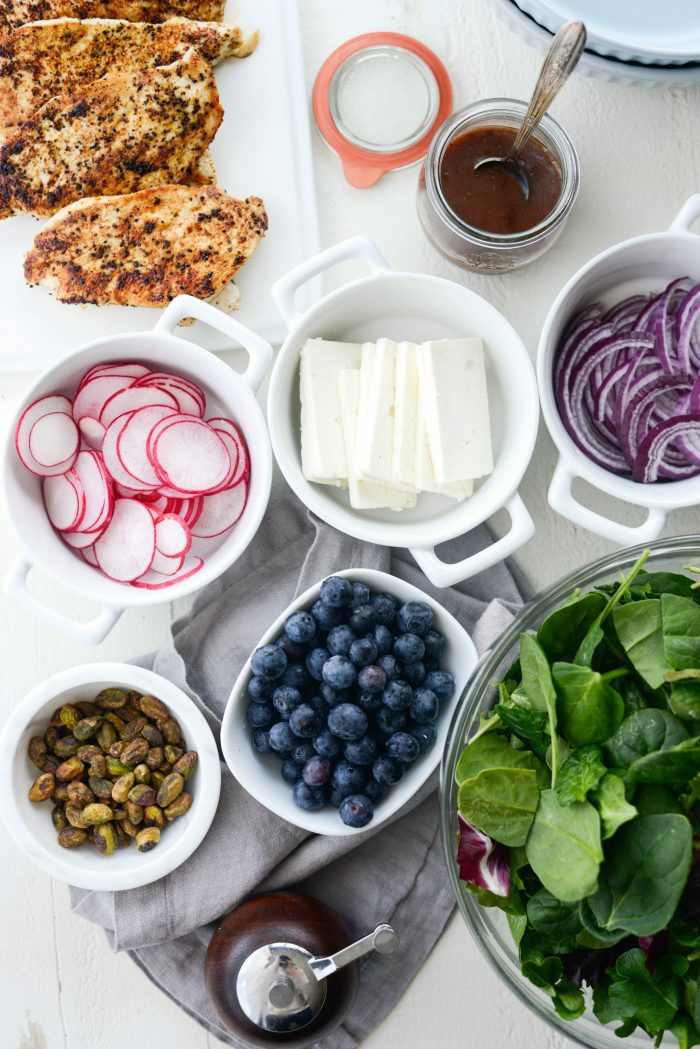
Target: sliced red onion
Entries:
(686, 318)
(630, 431)
(651, 450)
(482, 861)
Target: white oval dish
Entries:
(415, 307)
(29, 823)
(260, 775)
(228, 393)
(642, 264)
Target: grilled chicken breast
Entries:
(45, 59)
(19, 12)
(143, 249)
(122, 133)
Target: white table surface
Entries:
(640, 159)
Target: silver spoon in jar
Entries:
(561, 60)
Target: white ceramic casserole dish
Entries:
(642, 264)
(228, 393)
(414, 307)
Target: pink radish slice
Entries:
(128, 369)
(90, 400)
(31, 415)
(234, 452)
(88, 554)
(236, 434)
(92, 432)
(173, 537)
(113, 462)
(92, 474)
(167, 379)
(131, 399)
(221, 511)
(53, 439)
(167, 565)
(188, 509)
(190, 456)
(133, 440)
(64, 500)
(188, 404)
(126, 549)
(155, 581)
(79, 540)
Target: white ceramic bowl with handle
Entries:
(414, 307)
(260, 773)
(643, 264)
(29, 823)
(228, 393)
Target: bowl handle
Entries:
(259, 351)
(90, 633)
(285, 289)
(562, 500)
(687, 215)
(440, 573)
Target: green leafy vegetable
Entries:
(609, 798)
(652, 798)
(681, 631)
(643, 733)
(595, 634)
(673, 765)
(649, 999)
(517, 713)
(639, 628)
(563, 631)
(589, 709)
(500, 802)
(492, 751)
(563, 847)
(537, 683)
(558, 921)
(581, 772)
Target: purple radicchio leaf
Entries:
(482, 861)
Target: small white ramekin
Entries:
(228, 393)
(29, 823)
(414, 307)
(643, 264)
(260, 773)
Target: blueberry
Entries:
(441, 682)
(327, 745)
(339, 672)
(390, 721)
(361, 751)
(386, 770)
(318, 704)
(390, 666)
(285, 699)
(336, 591)
(282, 739)
(371, 679)
(363, 619)
(315, 660)
(302, 751)
(340, 638)
(300, 627)
(297, 676)
(309, 798)
(326, 616)
(261, 715)
(404, 747)
(356, 810)
(435, 644)
(261, 741)
(384, 606)
(415, 617)
(332, 696)
(304, 721)
(397, 695)
(430, 664)
(370, 701)
(383, 639)
(347, 721)
(413, 673)
(292, 649)
(268, 662)
(316, 771)
(360, 595)
(291, 772)
(363, 651)
(348, 778)
(425, 736)
(336, 797)
(424, 706)
(259, 688)
(375, 791)
(409, 648)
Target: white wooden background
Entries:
(640, 159)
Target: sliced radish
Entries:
(79, 540)
(221, 511)
(90, 400)
(155, 581)
(167, 565)
(114, 463)
(36, 410)
(188, 509)
(94, 479)
(126, 549)
(88, 554)
(234, 451)
(168, 380)
(188, 402)
(132, 442)
(53, 439)
(133, 398)
(128, 369)
(173, 537)
(92, 432)
(190, 457)
(236, 434)
(64, 500)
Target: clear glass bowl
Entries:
(488, 925)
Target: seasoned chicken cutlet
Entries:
(44, 59)
(143, 249)
(122, 133)
(19, 12)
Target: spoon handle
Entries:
(561, 60)
(383, 939)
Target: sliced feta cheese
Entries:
(364, 495)
(424, 474)
(375, 423)
(323, 457)
(403, 461)
(455, 408)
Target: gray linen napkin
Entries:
(396, 875)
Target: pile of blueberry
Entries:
(348, 696)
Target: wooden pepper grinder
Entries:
(279, 969)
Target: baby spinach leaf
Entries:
(684, 696)
(685, 1031)
(526, 723)
(609, 798)
(580, 773)
(594, 635)
(673, 765)
(633, 694)
(537, 683)
(640, 631)
(563, 631)
(500, 802)
(558, 921)
(651, 999)
(563, 847)
(592, 935)
(652, 798)
(643, 733)
(653, 584)
(644, 874)
(517, 923)
(491, 751)
(681, 631)
(589, 709)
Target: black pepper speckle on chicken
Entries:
(19, 12)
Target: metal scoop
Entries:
(281, 987)
(560, 62)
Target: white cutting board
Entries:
(263, 149)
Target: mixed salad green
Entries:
(579, 805)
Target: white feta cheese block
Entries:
(375, 424)
(364, 495)
(456, 408)
(403, 462)
(424, 473)
(323, 458)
